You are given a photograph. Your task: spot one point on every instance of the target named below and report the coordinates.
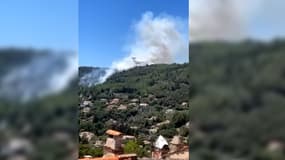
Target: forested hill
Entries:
(144, 102)
(170, 82)
(90, 76)
(237, 100)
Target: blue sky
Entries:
(39, 23)
(101, 28)
(105, 26)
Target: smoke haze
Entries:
(220, 19)
(43, 75)
(157, 39)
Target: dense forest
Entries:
(237, 100)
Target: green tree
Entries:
(134, 147)
(131, 147)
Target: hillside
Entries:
(41, 128)
(90, 76)
(237, 100)
(145, 106)
(10, 58)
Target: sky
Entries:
(268, 20)
(105, 26)
(100, 29)
(236, 19)
(43, 24)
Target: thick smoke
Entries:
(92, 78)
(43, 75)
(157, 40)
(220, 19)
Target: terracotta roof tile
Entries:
(113, 132)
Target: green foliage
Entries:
(180, 118)
(46, 118)
(237, 99)
(161, 86)
(86, 149)
(131, 147)
(168, 132)
(134, 147)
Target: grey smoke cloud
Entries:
(157, 39)
(220, 19)
(43, 75)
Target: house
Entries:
(113, 148)
(181, 154)
(184, 104)
(135, 100)
(176, 143)
(178, 150)
(110, 107)
(115, 101)
(86, 135)
(173, 151)
(146, 142)
(87, 103)
(117, 157)
(113, 143)
(132, 104)
(86, 110)
(122, 107)
(163, 123)
(128, 137)
(153, 130)
(169, 111)
(143, 105)
(160, 148)
(275, 145)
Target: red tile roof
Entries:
(113, 132)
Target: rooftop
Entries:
(113, 132)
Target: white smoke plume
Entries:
(157, 40)
(211, 20)
(43, 75)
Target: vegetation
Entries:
(133, 147)
(86, 149)
(47, 124)
(237, 100)
(163, 88)
(46, 119)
